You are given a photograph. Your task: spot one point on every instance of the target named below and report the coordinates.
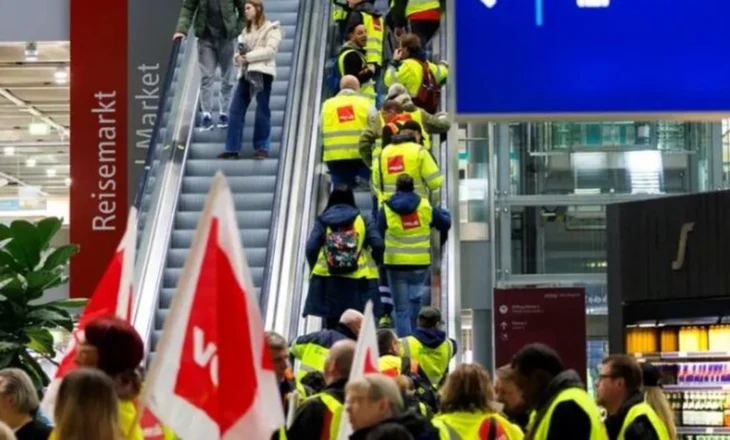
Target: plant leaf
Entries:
(35, 371)
(25, 246)
(41, 340)
(13, 288)
(7, 346)
(6, 357)
(69, 303)
(51, 317)
(7, 261)
(60, 256)
(37, 282)
(47, 228)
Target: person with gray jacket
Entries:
(258, 45)
(217, 23)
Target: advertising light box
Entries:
(575, 59)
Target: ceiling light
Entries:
(30, 162)
(61, 76)
(39, 129)
(9, 151)
(31, 52)
(51, 172)
(67, 181)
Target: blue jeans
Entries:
(346, 172)
(406, 287)
(237, 116)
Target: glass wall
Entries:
(552, 181)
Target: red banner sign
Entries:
(98, 137)
(555, 317)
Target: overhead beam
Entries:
(40, 85)
(60, 129)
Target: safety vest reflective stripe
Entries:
(410, 251)
(581, 398)
(433, 176)
(416, 6)
(453, 435)
(330, 430)
(408, 240)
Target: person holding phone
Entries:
(259, 44)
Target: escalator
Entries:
(178, 182)
(316, 193)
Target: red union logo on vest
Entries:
(346, 113)
(396, 164)
(410, 221)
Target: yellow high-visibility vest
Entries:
(416, 6)
(644, 409)
(408, 237)
(365, 263)
(344, 118)
(581, 398)
(375, 27)
(368, 89)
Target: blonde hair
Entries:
(377, 387)
(468, 388)
(6, 433)
(260, 16)
(87, 407)
(655, 397)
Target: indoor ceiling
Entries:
(34, 91)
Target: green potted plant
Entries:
(29, 266)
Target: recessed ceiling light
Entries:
(61, 76)
(39, 129)
(9, 151)
(30, 162)
(67, 181)
(51, 172)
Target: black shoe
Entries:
(261, 154)
(228, 155)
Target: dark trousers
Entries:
(425, 29)
(237, 116)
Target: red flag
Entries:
(365, 361)
(212, 376)
(113, 296)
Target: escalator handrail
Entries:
(311, 151)
(164, 95)
(451, 252)
(150, 267)
(286, 154)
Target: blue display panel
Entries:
(595, 57)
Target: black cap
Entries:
(430, 316)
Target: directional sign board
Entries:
(568, 59)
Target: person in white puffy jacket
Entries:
(257, 49)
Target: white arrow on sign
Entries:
(489, 3)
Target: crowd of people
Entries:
(414, 396)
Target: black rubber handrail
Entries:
(151, 149)
(290, 114)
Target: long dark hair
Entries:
(341, 195)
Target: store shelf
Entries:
(683, 355)
(697, 387)
(702, 430)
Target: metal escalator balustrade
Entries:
(253, 182)
(156, 158)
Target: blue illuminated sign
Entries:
(587, 58)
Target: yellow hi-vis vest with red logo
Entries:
(408, 236)
(344, 118)
(471, 426)
(375, 29)
(408, 157)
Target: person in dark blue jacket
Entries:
(331, 294)
(399, 221)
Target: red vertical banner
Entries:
(99, 204)
(553, 316)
